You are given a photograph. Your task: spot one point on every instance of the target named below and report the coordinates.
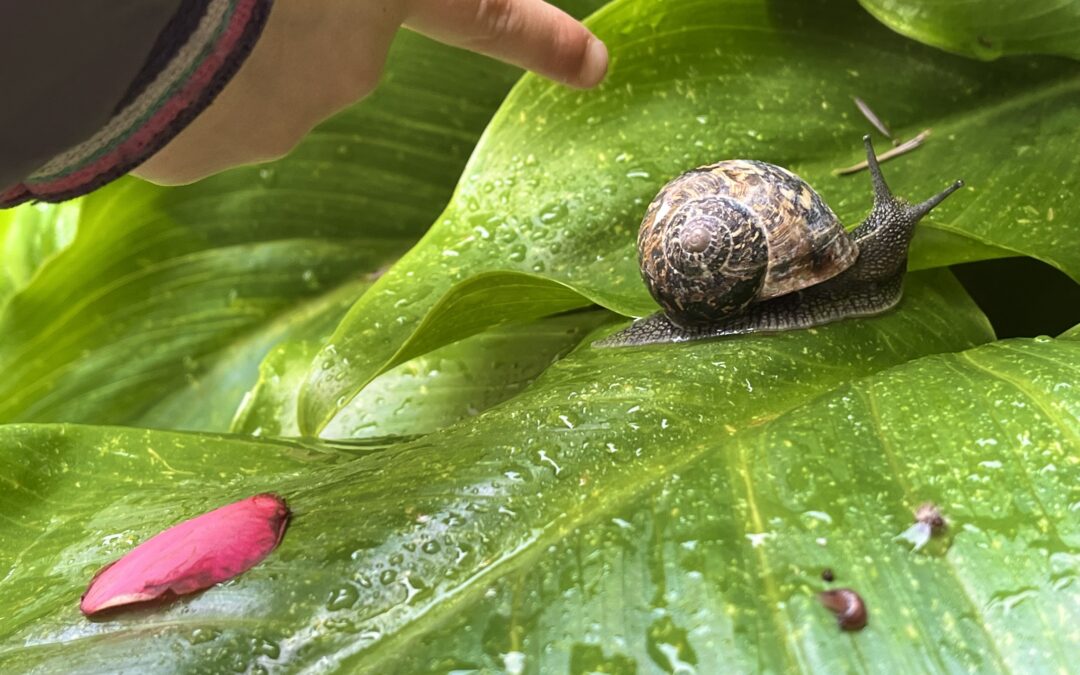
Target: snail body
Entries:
(744, 246)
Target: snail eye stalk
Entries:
(920, 210)
(882, 193)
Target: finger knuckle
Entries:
(496, 19)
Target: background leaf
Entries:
(29, 237)
(985, 30)
(557, 185)
(424, 394)
(387, 543)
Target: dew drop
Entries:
(343, 598)
(202, 635)
(553, 212)
(669, 647)
(518, 252)
(267, 648)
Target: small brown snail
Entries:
(848, 606)
(744, 246)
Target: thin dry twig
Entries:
(902, 149)
(873, 119)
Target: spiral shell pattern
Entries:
(720, 237)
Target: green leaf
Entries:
(717, 566)
(985, 30)
(213, 400)
(424, 394)
(29, 237)
(558, 183)
(389, 542)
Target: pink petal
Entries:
(193, 555)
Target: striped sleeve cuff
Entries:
(192, 62)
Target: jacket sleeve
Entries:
(89, 89)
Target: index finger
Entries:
(527, 33)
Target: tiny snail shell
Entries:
(848, 606)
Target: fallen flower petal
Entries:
(192, 556)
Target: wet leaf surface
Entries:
(665, 509)
(986, 30)
(425, 394)
(557, 186)
(390, 542)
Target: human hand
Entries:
(315, 59)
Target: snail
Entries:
(744, 246)
(848, 606)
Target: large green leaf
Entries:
(986, 30)
(560, 179)
(718, 565)
(161, 309)
(389, 543)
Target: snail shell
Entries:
(848, 606)
(720, 237)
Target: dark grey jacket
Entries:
(90, 88)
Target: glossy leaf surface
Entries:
(557, 186)
(427, 393)
(642, 508)
(650, 510)
(986, 30)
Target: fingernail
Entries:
(595, 64)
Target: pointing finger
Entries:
(527, 33)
